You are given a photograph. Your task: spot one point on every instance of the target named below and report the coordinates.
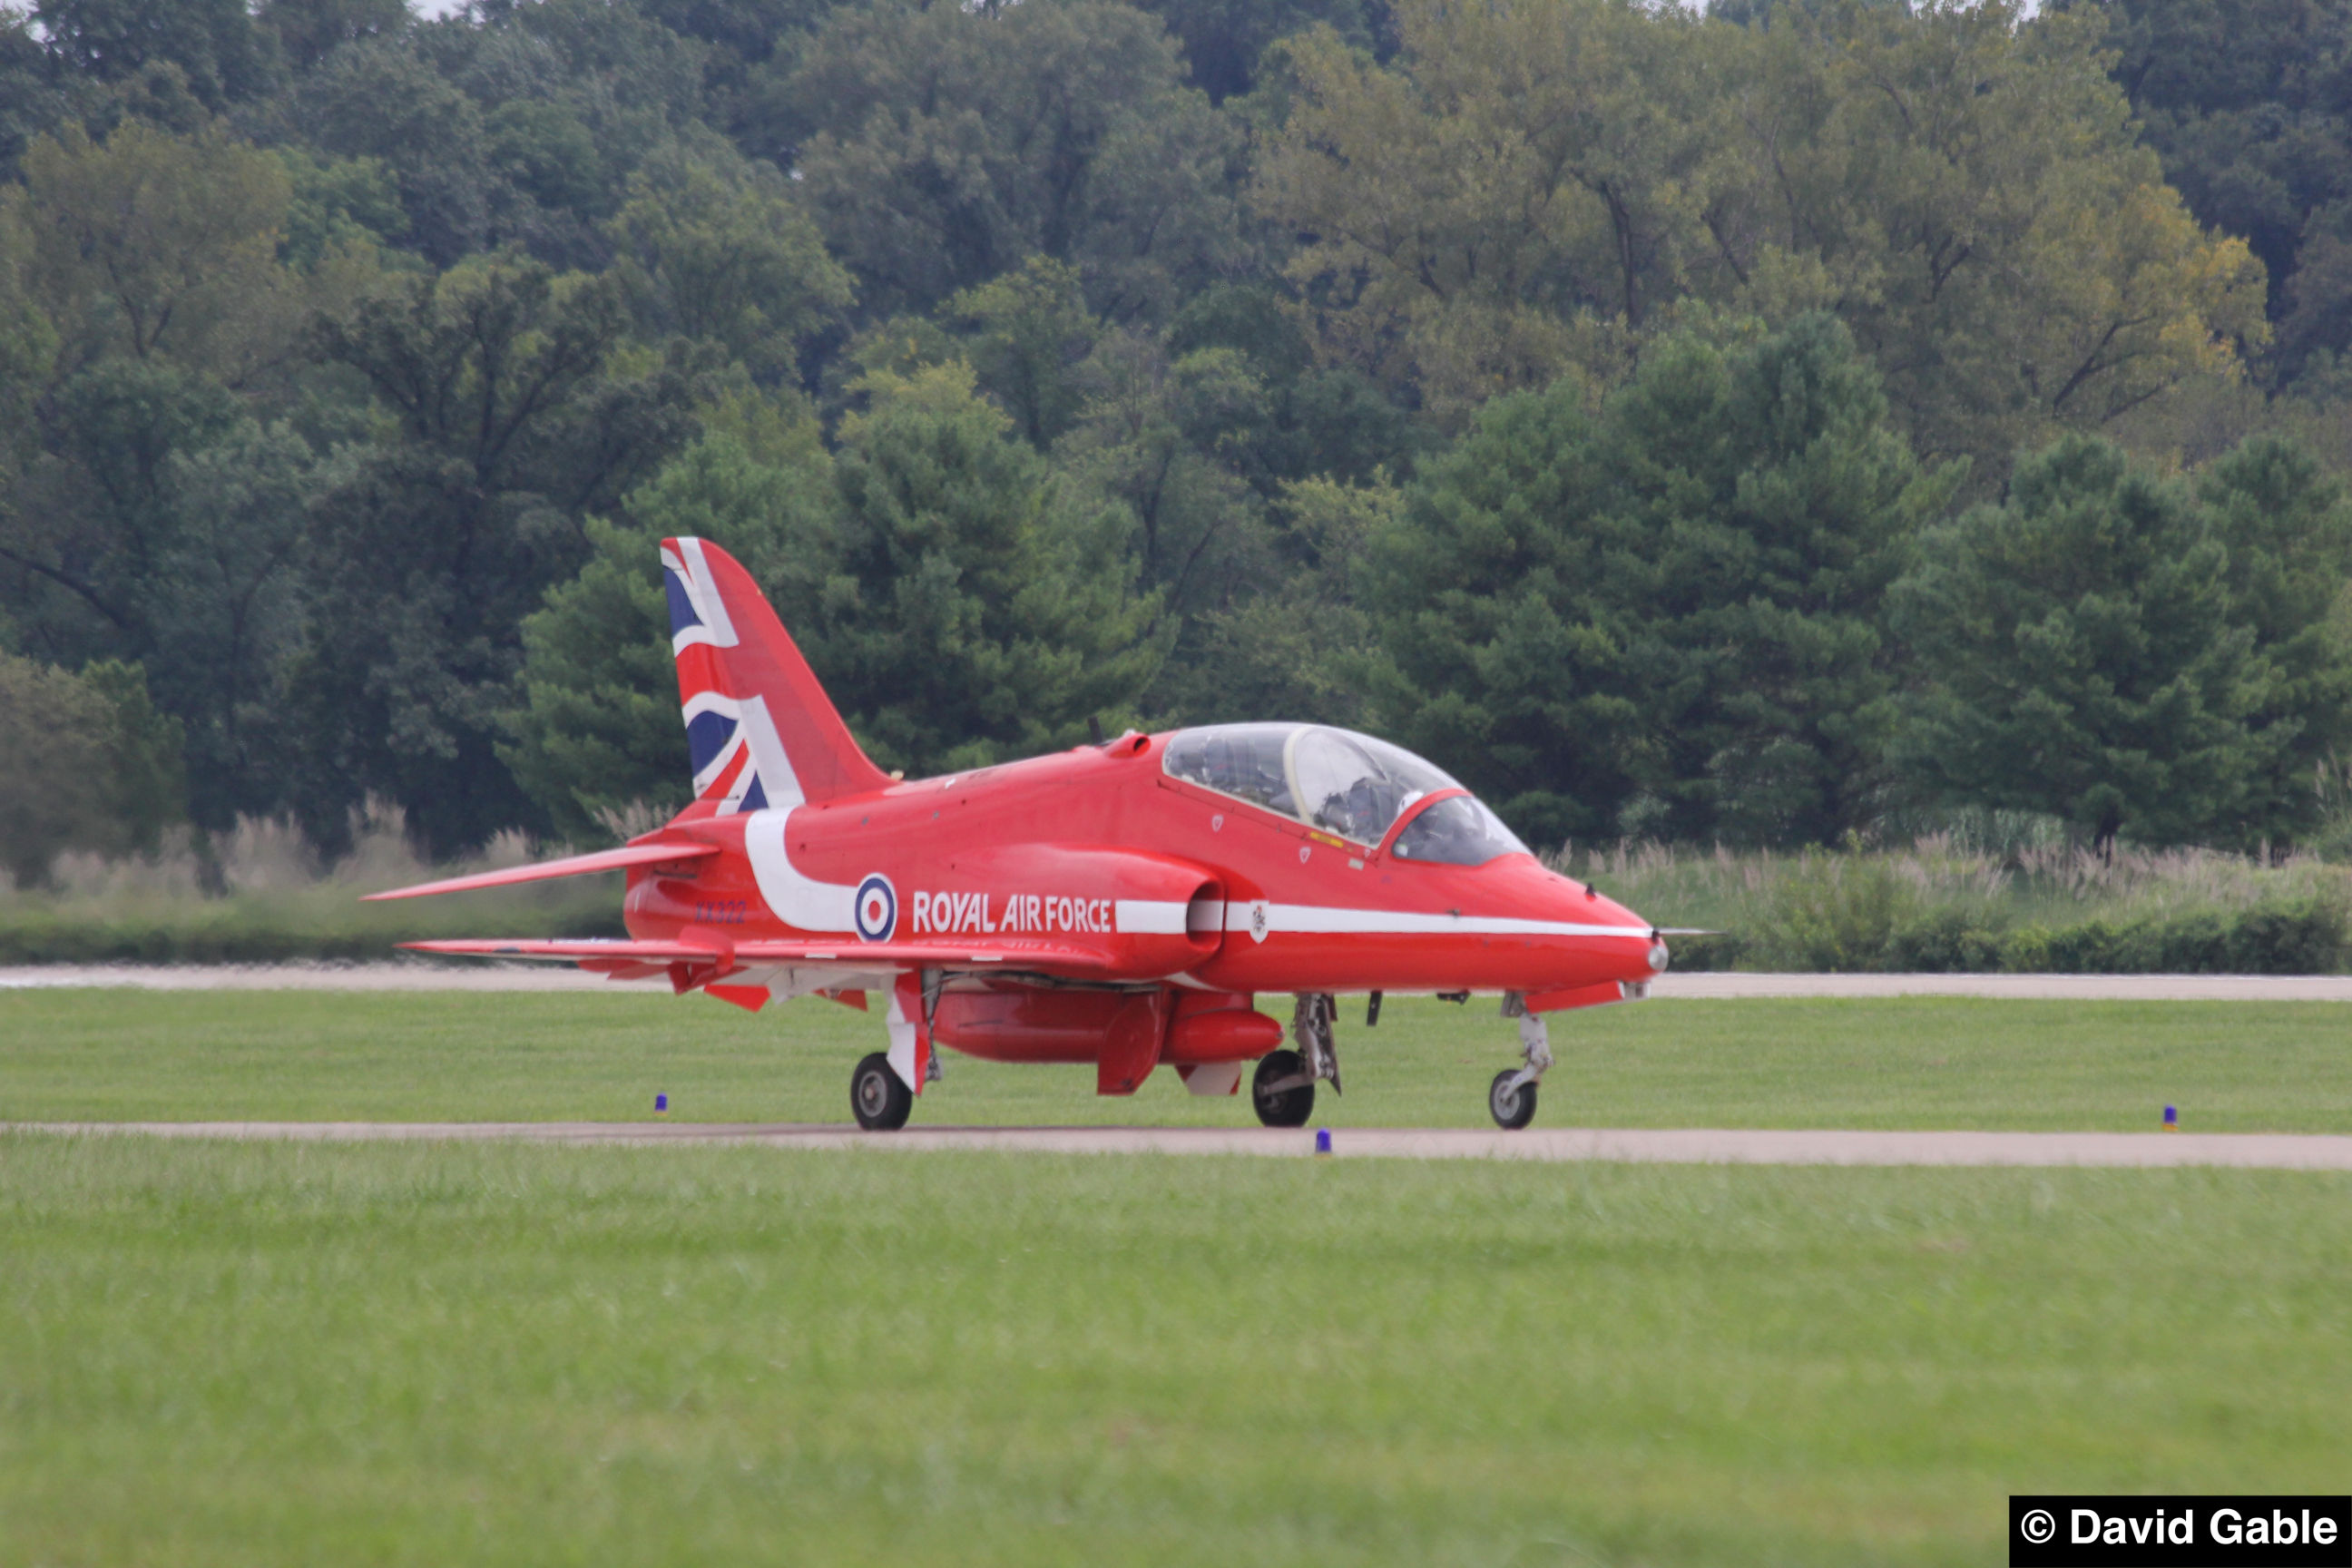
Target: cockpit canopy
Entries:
(1342, 783)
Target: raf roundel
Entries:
(878, 908)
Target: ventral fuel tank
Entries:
(1022, 1024)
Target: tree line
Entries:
(1751, 427)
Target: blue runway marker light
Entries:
(1322, 1139)
(661, 1105)
(2172, 1119)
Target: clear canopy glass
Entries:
(1457, 832)
(1342, 782)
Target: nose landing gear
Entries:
(1509, 1102)
(1511, 1097)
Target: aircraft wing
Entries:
(1016, 954)
(544, 870)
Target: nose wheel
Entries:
(1511, 1097)
(1511, 1102)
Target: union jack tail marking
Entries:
(759, 730)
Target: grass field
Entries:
(124, 1055)
(225, 1355)
(218, 1354)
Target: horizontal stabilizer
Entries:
(849, 952)
(1685, 931)
(570, 865)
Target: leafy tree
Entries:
(1322, 420)
(151, 245)
(1300, 647)
(1981, 216)
(337, 205)
(38, 98)
(515, 419)
(214, 42)
(1516, 167)
(2245, 104)
(1025, 333)
(94, 516)
(28, 349)
(983, 606)
(1166, 439)
(961, 603)
(723, 253)
(1529, 184)
(752, 48)
(1225, 40)
(309, 30)
(86, 763)
(599, 730)
(154, 517)
(946, 145)
(224, 612)
(383, 98)
(2286, 524)
(2082, 659)
(1660, 617)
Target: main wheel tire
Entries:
(879, 1101)
(1281, 1108)
(1512, 1108)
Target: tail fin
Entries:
(761, 731)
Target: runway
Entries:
(1694, 987)
(1696, 1146)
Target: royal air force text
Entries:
(955, 914)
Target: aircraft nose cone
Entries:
(1586, 905)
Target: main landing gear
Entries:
(880, 1102)
(1511, 1097)
(1279, 1106)
(1283, 1088)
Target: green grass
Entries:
(124, 1055)
(273, 1355)
(238, 1354)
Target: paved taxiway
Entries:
(1696, 1146)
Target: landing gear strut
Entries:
(1311, 1026)
(1511, 1097)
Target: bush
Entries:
(1948, 904)
(1708, 954)
(2305, 938)
(1835, 913)
(1943, 942)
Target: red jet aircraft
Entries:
(1122, 903)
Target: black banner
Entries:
(2205, 1531)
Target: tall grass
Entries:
(261, 893)
(1988, 891)
(1954, 900)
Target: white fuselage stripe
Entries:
(1324, 919)
(1148, 917)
